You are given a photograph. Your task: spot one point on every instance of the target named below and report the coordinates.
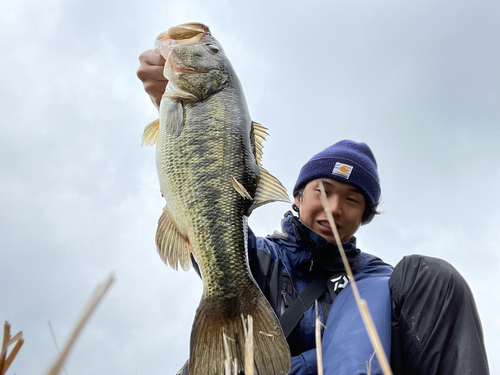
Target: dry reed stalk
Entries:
(362, 306)
(96, 297)
(5, 361)
(369, 365)
(317, 334)
(248, 327)
(230, 364)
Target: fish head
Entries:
(196, 65)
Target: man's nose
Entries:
(334, 205)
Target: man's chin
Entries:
(329, 237)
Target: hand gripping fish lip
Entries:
(164, 45)
(189, 33)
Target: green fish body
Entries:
(208, 160)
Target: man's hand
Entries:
(150, 72)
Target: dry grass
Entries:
(362, 305)
(8, 340)
(96, 297)
(317, 334)
(231, 365)
(248, 326)
(17, 340)
(369, 365)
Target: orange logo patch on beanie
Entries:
(343, 170)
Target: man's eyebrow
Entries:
(352, 189)
(326, 182)
(355, 190)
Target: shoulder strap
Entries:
(298, 307)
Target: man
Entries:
(285, 263)
(424, 311)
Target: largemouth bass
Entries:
(208, 157)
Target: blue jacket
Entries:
(284, 263)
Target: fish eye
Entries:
(213, 48)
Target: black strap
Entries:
(298, 307)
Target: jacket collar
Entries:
(323, 254)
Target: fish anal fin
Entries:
(174, 247)
(150, 135)
(269, 189)
(270, 349)
(240, 189)
(258, 135)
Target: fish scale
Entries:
(210, 195)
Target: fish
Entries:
(209, 163)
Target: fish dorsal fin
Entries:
(150, 135)
(174, 247)
(269, 189)
(258, 135)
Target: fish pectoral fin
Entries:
(240, 189)
(174, 247)
(150, 135)
(269, 189)
(258, 135)
(175, 119)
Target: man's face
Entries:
(345, 202)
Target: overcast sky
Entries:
(419, 81)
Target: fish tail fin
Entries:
(217, 332)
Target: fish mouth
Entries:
(185, 32)
(188, 33)
(184, 70)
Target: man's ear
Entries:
(297, 201)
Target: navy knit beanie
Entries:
(346, 161)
